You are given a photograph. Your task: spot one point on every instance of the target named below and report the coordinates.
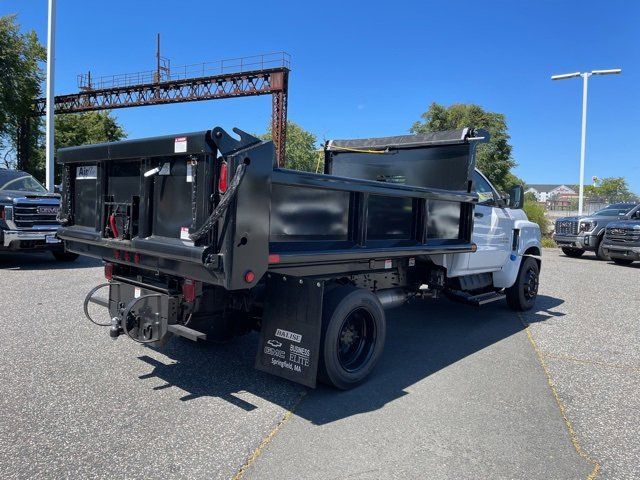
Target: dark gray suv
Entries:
(575, 235)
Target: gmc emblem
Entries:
(48, 210)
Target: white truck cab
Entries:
(505, 239)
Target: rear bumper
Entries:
(622, 251)
(30, 240)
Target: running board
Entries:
(186, 332)
(477, 300)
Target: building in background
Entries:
(554, 196)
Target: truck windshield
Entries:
(612, 212)
(21, 182)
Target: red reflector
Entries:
(2, 214)
(223, 181)
(274, 258)
(116, 254)
(249, 276)
(127, 257)
(108, 271)
(189, 290)
(136, 258)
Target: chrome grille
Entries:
(566, 227)
(30, 215)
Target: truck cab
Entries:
(576, 235)
(28, 216)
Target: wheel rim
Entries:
(356, 340)
(530, 285)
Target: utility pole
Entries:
(50, 119)
(583, 139)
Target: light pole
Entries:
(585, 80)
(49, 140)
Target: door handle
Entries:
(478, 214)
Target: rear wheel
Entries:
(65, 256)
(572, 252)
(622, 261)
(522, 295)
(353, 335)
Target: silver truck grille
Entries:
(29, 215)
(566, 227)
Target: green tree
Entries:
(302, 152)
(20, 82)
(535, 212)
(609, 189)
(493, 158)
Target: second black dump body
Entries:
(379, 199)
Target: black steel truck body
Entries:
(203, 237)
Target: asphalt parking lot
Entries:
(460, 392)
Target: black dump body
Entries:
(379, 199)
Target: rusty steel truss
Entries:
(137, 90)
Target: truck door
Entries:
(491, 230)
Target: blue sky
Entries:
(371, 68)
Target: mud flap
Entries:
(291, 328)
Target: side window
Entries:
(483, 189)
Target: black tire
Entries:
(572, 252)
(622, 261)
(65, 256)
(521, 296)
(353, 335)
(599, 251)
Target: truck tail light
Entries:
(2, 214)
(108, 271)
(223, 180)
(189, 290)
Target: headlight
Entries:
(587, 226)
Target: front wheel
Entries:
(521, 296)
(572, 252)
(622, 261)
(600, 252)
(65, 256)
(353, 335)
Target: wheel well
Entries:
(534, 251)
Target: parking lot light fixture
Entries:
(583, 140)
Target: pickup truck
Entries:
(622, 240)
(28, 216)
(204, 237)
(576, 235)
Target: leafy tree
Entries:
(302, 152)
(494, 157)
(20, 81)
(535, 212)
(610, 189)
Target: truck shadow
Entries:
(422, 339)
(42, 261)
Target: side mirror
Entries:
(516, 197)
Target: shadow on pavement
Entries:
(42, 261)
(422, 338)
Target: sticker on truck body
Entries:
(87, 172)
(180, 145)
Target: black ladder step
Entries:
(477, 300)
(186, 332)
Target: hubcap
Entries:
(356, 340)
(530, 284)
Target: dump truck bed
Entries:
(152, 204)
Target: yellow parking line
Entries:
(572, 433)
(266, 440)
